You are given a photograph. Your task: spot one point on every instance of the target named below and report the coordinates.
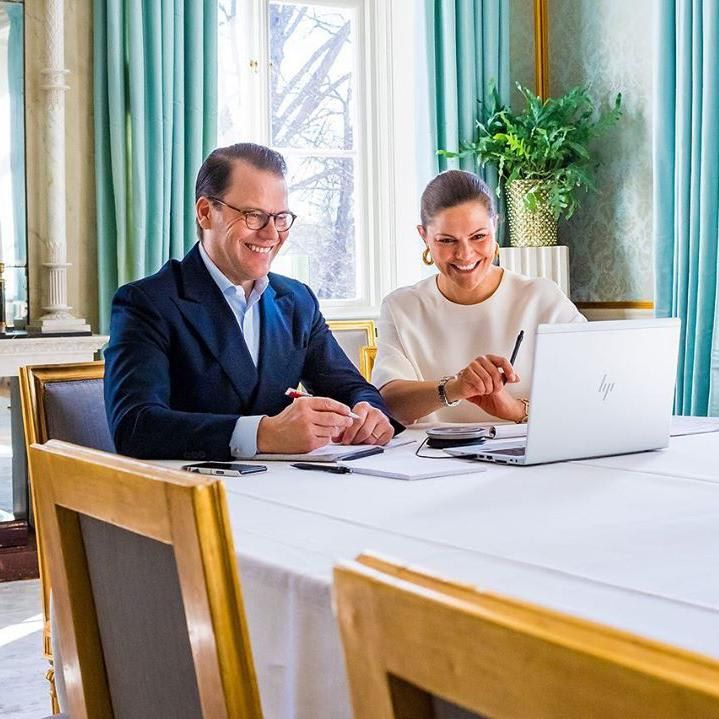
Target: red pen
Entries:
(295, 393)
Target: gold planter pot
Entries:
(526, 228)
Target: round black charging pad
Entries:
(458, 435)
(436, 443)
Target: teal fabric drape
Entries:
(468, 42)
(16, 86)
(468, 45)
(686, 193)
(155, 107)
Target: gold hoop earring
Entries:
(496, 254)
(427, 257)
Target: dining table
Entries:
(629, 541)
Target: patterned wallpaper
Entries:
(609, 46)
(521, 47)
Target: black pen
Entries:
(361, 453)
(333, 468)
(515, 352)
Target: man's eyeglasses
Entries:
(258, 219)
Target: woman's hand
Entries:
(481, 383)
(481, 378)
(501, 405)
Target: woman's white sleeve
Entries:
(566, 311)
(392, 361)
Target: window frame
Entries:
(375, 225)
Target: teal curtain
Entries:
(468, 45)
(469, 52)
(155, 106)
(16, 86)
(686, 193)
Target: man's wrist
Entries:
(264, 434)
(245, 437)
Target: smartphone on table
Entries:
(224, 469)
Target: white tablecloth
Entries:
(630, 541)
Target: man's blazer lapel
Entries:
(203, 306)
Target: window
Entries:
(301, 77)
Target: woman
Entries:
(443, 343)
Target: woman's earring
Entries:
(496, 254)
(427, 257)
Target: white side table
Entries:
(550, 262)
(20, 351)
(17, 352)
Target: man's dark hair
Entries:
(452, 188)
(214, 175)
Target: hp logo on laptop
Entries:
(605, 388)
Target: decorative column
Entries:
(57, 317)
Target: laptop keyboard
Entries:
(512, 451)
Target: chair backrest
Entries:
(352, 336)
(65, 402)
(146, 591)
(62, 401)
(409, 637)
(367, 357)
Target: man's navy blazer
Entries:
(178, 373)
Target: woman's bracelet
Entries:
(524, 419)
(443, 395)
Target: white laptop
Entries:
(598, 388)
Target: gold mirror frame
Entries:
(541, 48)
(541, 78)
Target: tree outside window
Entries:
(310, 89)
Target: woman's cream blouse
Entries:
(424, 336)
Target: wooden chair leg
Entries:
(50, 673)
(50, 676)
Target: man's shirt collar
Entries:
(226, 284)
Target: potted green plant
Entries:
(542, 157)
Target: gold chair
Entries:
(410, 637)
(61, 401)
(353, 336)
(147, 597)
(367, 358)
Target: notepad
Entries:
(693, 425)
(409, 467)
(502, 430)
(509, 431)
(328, 453)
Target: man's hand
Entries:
(308, 423)
(373, 427)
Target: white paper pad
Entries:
(507, 431)
(330, 452)
(409, 467)
(693, 425)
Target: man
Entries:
(201, 353)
